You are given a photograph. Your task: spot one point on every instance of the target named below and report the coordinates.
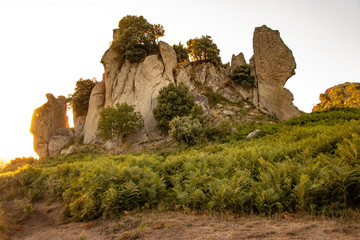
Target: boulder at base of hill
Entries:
(59, 140)
(46, 120)
(272, 65)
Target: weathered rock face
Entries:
(79, 124)
(59, 139)
(136, 84)
(46, 120)
(342, 95)
(237, 61)
(273, 64)
(96, 104)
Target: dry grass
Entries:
(151, 225)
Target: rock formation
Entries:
(341, 95)
(96, 104)
(46, 120)
(138, 84)
(59, 139)
(237, 61)
(272, 64)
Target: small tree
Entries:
(117, 122)
(80, 99)
(137, 37)
(203, 49)
(173, 101)
(181, 53)
(241, 75)
(185, 129)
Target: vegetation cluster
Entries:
(137, 38)
(336, 97)
(79, 100)
(241, 75)
(309, 164)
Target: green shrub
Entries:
(137, 37)
(17, 163)
(173, 101)
(309, 168)
(221, 132)
(181, 53)
(185, 129)
(241, 75)
(119, 121)
(80, 99)
(203, 49)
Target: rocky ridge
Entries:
(342, 95)
(138, 84)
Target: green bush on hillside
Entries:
(310, 168)
(119, 121)
(173, 101)
(80, 99)
(241, 75)
(181, 53)
(185, 130)
(137, 38)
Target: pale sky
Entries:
(46, 46)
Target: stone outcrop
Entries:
(46, 120)
(237, 61)
(342, 95)
(136, 84)
(272, 64)
(96, 104)
(59, 139)
(79, 125)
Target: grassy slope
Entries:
(308, 164)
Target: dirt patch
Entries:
(44, 222)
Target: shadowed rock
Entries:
(46, 120)
(273, 64)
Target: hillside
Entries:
(137, 67)
(306, 165)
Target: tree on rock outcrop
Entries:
(186, 129)
(116, 122)
(345, 95)
(181, 53)
(175, 101)
(241, 75)
(203, 49)
(80, 99)
(137, 37)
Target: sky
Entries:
(47, 45)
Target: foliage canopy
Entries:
(119, 121)
(173, 101)
(137, 37)
(181, 53)
(203, 49)
(308, 165)
(347, 96)
(185, 129)
(241, 75)
(80, 99)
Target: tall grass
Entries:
(309, 164)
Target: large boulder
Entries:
(79, 125)
(273, 64)
(60, 138)
(96, 104)
(46, 120)
(169, 59)
(237, 61)
(342, 95)
(136, 84)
